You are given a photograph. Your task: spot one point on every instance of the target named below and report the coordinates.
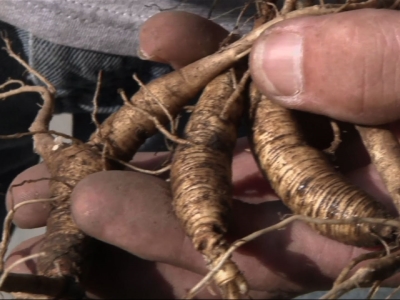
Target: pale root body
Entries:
(305, 180)
(201, 178)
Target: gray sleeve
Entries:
(109, 26)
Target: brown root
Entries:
(16, 263)
(304, 179)
(95, 98)
(336, 139)
(374, 289)
(395, 291)
(144, 171)
(384, 151)
(66, 248)
(201, 177)
(64, 244)
(164, 109)
(157, 123)
(175, 89)
(363, 257)
(376, 271)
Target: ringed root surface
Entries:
(304, 179)
(201, 179)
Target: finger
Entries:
(123, 275)
(31, 184)
(150, 195)
(119, 274)
(26, 248)
(179, 38)
(133, 211)
(114, 273)
(343, 65)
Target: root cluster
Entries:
(200, 171)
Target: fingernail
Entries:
(142, 55)
(281, 66)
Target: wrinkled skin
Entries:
(143, 250)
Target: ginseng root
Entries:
(375, 272)
(65, 246)
(201, 177)
(384, 151)
(304, 179)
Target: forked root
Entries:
(363, 257)
(376, 271)
(374, 289)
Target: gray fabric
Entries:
(109, 26)
(74, 73)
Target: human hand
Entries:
(146, 253)
(132, 212)
(347, 66)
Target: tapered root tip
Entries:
(231, 281)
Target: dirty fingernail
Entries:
(277, 63)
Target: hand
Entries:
(132, 212)
(344, 66)
(147, 252)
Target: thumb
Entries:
(345, 66)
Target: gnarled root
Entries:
(376, 271)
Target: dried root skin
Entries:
(174, 90)
(127, 129)
(305, 180)
(64, 244)
(384, 150)
(201, 179)
(376, 271)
